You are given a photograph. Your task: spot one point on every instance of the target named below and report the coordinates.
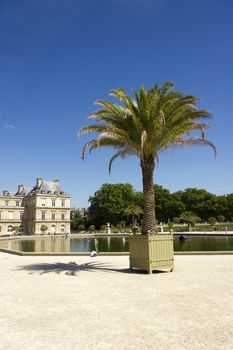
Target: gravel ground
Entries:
(84, 303)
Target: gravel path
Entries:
(86, 303)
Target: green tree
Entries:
(212, 220)
(133, 211)
(92, 228)
(43, 228)
(221, 218)
(166, 205)
(198, 201)
(189, 217)
(108, 204)
(229, 206)
(77, 220)
(81, 227)
(176, 220)
(104, 228)
(152, 121)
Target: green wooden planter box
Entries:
(151, 252)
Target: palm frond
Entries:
(192, 141)
(148, 122)
(123, 153)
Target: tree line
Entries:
(120, 204)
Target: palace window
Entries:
(63, 202)
(43, 215)
(17, 203)
(9, 228)
(6, 203)
(53, 202)
(21, 215)
(53, 215)
(62, 216)
(10, 215)
(43, 202)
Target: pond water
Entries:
(61, 244)
(111, 244)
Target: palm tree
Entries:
(151, 122)
(134, 211)
(189, 217)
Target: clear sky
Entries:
(58, 56)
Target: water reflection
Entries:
(62, 244)
(111, 244)
(204, 243)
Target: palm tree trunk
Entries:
(149, 221)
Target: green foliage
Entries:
(115, 230)
(221, 218)
(189, 217)
(43, 228)
(109, 203)
(103, 228)
(166, 205)
(133, 211)
(212, 221)
(151, 121)
(91, 228)
(76, 221)
(227, 204)
(176, 220)
(170, 225)
(81, 227)
(198, 201)
(112, 202)
(144, 125)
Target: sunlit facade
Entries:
(43, 209)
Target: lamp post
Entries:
(108, 228)
(161, 227)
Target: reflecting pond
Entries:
(203, 243)
(71, 244)
(51, 244)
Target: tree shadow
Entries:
(71, 268)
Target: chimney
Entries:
(5, 193)
(39, 182)
(56, 181)
(20, 188)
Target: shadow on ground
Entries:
(71, 268)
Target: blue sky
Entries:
(58, 56)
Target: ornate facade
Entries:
(44, 208)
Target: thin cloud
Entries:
(9, 126)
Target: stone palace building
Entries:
(31, 211)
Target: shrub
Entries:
(103, 228)
(176, 220)
(81, 227)
(212, 221)
(43, 228)
(221, 218)
(92, 228)
(114, 230)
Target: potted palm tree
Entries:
(144, 125)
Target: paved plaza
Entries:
(77, 302)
